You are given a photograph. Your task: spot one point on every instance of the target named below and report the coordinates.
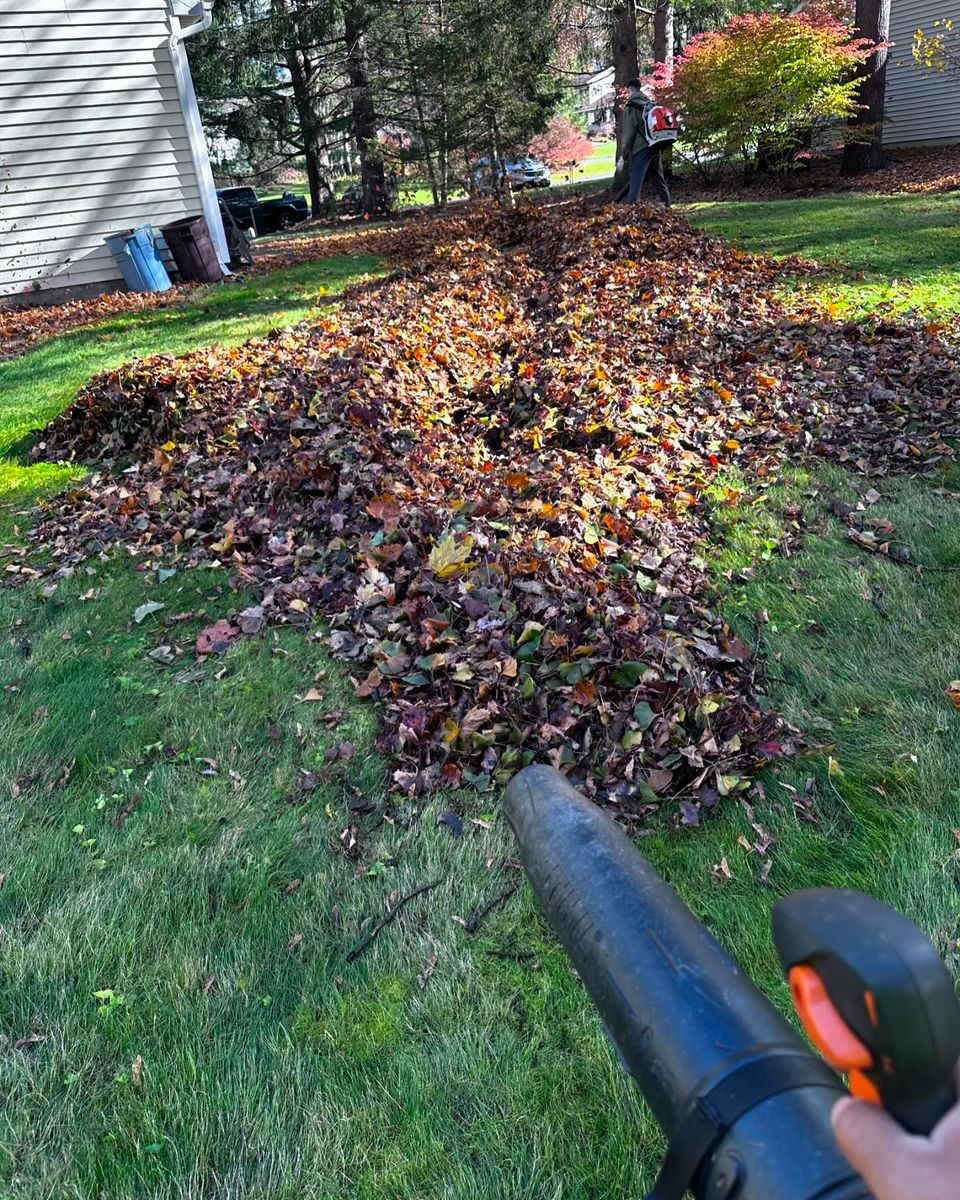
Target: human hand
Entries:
(895, 1164)
(620, 164)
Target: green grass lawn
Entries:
(417, 192)
(184, 872)
(889, 253)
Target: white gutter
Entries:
(203, 10)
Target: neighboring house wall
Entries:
(921, 106)
(595, 98)
(98, 132)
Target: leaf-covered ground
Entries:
(490, 475)
(916, 170)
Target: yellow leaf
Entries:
(449, 556)
(450, 732)
(833, 767)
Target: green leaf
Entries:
(629, 674)
(528, 650)
(644, 715)
(532, 629)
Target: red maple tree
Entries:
(561, 144)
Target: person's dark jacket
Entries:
(633, 135)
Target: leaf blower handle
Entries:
(875, 999)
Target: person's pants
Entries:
(644, 160)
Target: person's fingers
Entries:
(874, 1144)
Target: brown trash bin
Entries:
(193, 250)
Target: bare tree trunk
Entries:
(502, 187)
(663, 53)
(418, 107)
(866, 152)
(626, 66)
(443, 150)
(663, 32)
(301, 72)
(364, 116)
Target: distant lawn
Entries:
(892, 253)
(417, 192)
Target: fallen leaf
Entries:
(250, 621)
(452, 822)
(216, 638)
(142, 611)
(721, 870)
(449, 556)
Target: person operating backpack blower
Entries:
(647, 128)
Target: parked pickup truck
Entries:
(265, 216)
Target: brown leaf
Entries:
(28, 1041)
(216, 638)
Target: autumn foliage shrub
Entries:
(561, 144)
(764, 81)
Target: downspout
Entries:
(194, 126)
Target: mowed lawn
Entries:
(191, 851)
(882, 253)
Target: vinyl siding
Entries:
(92, 137)
(921, 106)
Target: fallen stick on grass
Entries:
(473, 922)
(385, 921)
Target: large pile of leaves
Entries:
(490, 476)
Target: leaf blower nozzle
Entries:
(744, 1103)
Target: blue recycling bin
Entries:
(135, 253)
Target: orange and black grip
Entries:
(875, 999)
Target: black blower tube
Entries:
(685, 1020)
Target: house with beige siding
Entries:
(99, 132)
(921, 106)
